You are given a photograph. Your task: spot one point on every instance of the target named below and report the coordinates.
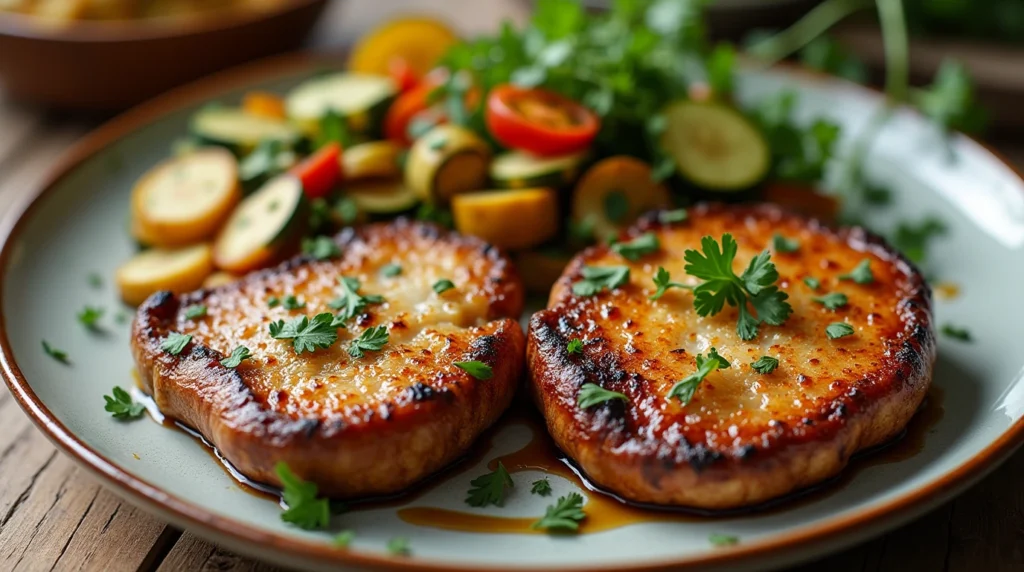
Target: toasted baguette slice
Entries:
(356, 426)
(745, 437)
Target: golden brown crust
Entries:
(356, 426)
(745, 438)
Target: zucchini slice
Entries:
(381, 196)
(180, 270)
(240, 131)
(185, 199)
(360, 99)
(373, 160)
(519, 170)
(510, 219)
(714, 146)
(262, 226)
(446, 161)
(613, 192)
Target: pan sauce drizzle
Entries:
(605, 511)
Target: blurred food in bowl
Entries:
(70, 10)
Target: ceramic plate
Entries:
(75, 226)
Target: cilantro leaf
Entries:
(662, 280)
(832, 300)
(320, 248)
(443, 285)
(784, 245)
(575, 346)
(370, 340)
(477, 369)
(765, 364)
(723, 540)
(597, 278)
(343, 538)
(121, 405)
(175, 342)
(541, 487)
(59, 355)
(307, 335)
(684, 390)
(351, 303)
(490, 488)
(195, 311)
(861, 274)
(565, 514)
(957, 333)
(637, 248)
(293, 303)
(237, 355)
(812, 282)
(304, 510)
(399, 546)
(90, 316)
(273, 302)
(390, 270)
(912, 239)
(837, 330)
(592, 394)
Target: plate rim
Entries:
(831, 533)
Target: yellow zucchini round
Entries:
(179, 270)
(373, 160)
(185, 199)
(446, 161)
(419, 41)
(509, 219)
(220, 278)
(613, 193)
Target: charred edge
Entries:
(421, 392)
(485, 346)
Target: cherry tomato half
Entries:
(408, 105)
(539, 121)
(404, 75)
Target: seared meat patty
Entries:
(356, 426)
(744, 437)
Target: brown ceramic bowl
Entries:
(109, 65)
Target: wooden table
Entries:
(54, 515)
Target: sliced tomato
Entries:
(321, 171)
(406, 78)
(410, 104)
(539, 121)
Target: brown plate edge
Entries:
(833, 534)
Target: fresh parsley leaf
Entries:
(861, 274)
(662, 281)
(637, 248)
(575, 346)
(293, 303)
(812, 282)
(832, 300)
(370, 340)
(799, 152)
(616, 206)
(443, 285)
(490, 488)
(399, 546)
(390, 270)
(333, 128)
(784, 245)
(765, 364)
(351, 303)
(956, 332)
(950, 101)
(912, 239)
(346, 211)
(672, 216)
(343, 538)
(95, 280)
(596, 278)
(175, 342)
(90, 316)
(837, 330)
(59, 355)
(195, 311)
(541, 487)
(592, 394)
(307, 335)
(320, 248)
(237, 355)
(304, 510)
(755, 287)
(565, 514)
(121, 405)
(684, 390)
(477, 369)
(723, 540)
(720, 65)
(273, 302)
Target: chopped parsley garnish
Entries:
(346, 210)
(832, 300)
(343, 538)
(307, 335)
(541, 487)
(320, 248)
(616, 206)
(90, 317)
(837, 330)
(784, 245)
(663, 281)
(477, 369)
(912, 238)
(195, 311)
(668, 217)
(596, 278)
(304, 510)
(399, 546)
(637, 248)
(273, 302)
(956, 332)
(292, 303)
(121, 405)
(812, 282)
(592, 394)
(370, 340)
(861, 274)
(351, 303)
(390, 270)
(755, 287)
(765, 364)
(59, 355)
(95, 280)
(684, 390)
(122, 317)
(723, 540)
(443, 285)
(565, 514)
(237, 355)
(575, 346)
(490, 488)
(175, 342)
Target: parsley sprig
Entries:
(477, 369)
(663, 282)
(304, 510)
(59, 355)
(320, 248)
(541, 487)
(121, 406)
(592, 394)
(370, 340)
(564, 515)
(490, 488)
(597, 278)
(90, 317)
(684, 390)
(637, 248)
(351, 303)
(765, 364)
(307, 335)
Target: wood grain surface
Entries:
(54, 516)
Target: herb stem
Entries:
(806, 29)
(897, 49)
